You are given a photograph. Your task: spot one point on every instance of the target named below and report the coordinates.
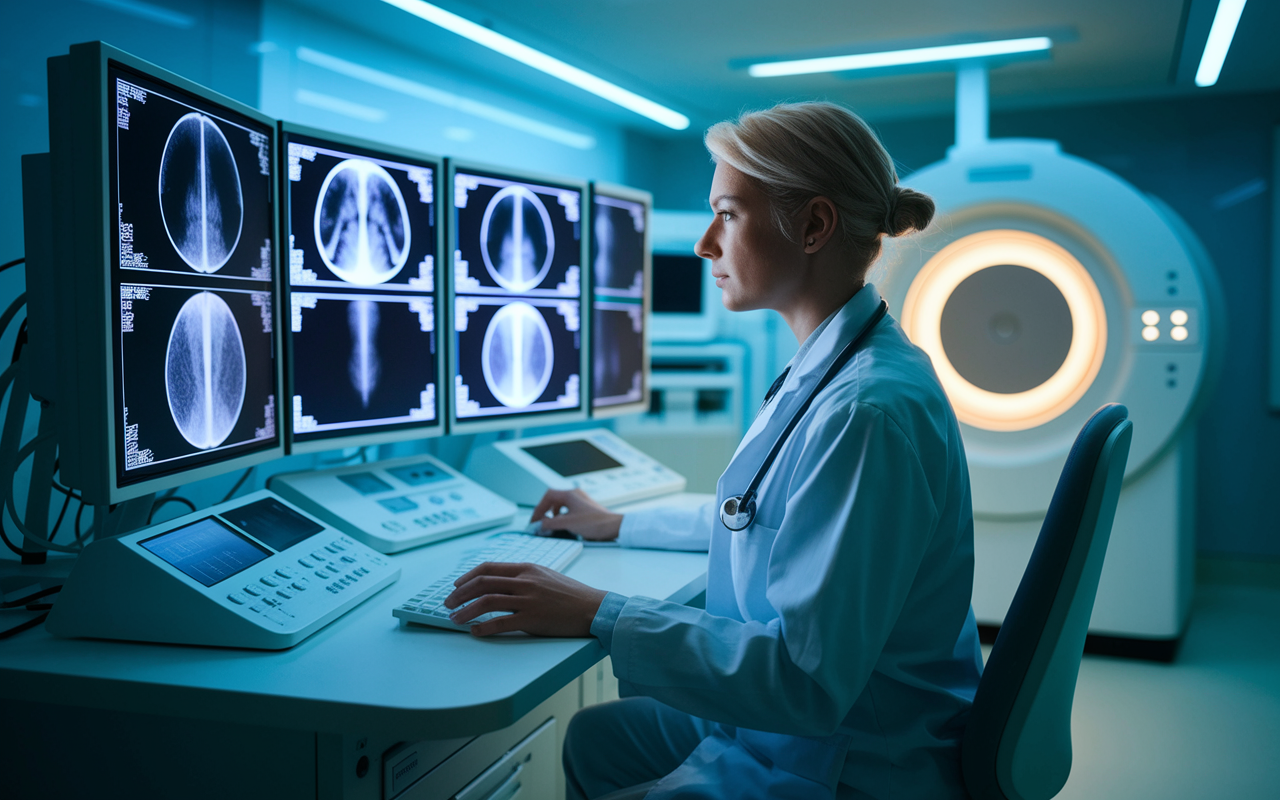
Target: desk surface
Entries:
(365, 671)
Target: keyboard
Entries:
(427, 606)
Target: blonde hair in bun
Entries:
(799, 151)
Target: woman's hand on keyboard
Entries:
(541, 601)
(575, 511)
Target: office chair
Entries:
(1017, 745)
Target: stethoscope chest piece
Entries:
(737, 515)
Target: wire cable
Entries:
(31, 598)
(236, 488)
(61, 515)
(21, 341)
(162, 501)
(28, 625)
(26, 532)
(13, 263)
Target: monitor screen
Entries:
(574, 457)
(207, 551)
(517, 296)
(191, 184)
(618, 267)
(362, 237)
(677, 284)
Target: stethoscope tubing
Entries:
(745, 503)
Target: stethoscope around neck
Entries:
(737, 513)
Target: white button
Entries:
(236, 598)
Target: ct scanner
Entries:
(1045, 288)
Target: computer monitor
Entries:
(620, 265)
(685, 299)
(518, 345)
(361, 222)
(166, 290)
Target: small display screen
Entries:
(677, 284)
(363, 309)
(272, 522)
(572, 458)
(206, 551)
(518, 296)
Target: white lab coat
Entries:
(838, 644)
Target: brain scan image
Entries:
(603, 232)
(517, 239)
(200, 197)
(205, 370)
(364, 365)
(516, 355)
(362, 224)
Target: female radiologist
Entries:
(837, 655)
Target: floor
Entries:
(1206, 726)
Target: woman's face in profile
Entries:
(753, 263)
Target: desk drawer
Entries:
(526, 772)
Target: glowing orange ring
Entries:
(933, 286)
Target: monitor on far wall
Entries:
(363, 234)
(165, 284)
(517, 349)
(685, 298)
(620, 261)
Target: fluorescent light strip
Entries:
(148, 11)
(440, 97)
(339, 106)
(1221, 33)
(541, 61)
(897, 58)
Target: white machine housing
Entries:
(119, 589)
(1142, 259)
(614, 473)
(396, 504)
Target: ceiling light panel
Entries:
(541, 61)
(898, 58)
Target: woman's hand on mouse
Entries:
(576, 512)
(541, 601)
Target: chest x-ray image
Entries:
(200, 194)
(361, 223)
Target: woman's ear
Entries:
(818, 223)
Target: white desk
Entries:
(364, 673)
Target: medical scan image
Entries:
(517, 355)
(518, 239)
(618, 355)
(364, 366)
(618, 246)
(361, 223)
(205, 371)
(200, 194)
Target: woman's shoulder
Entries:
(893, 376)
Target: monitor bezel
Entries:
(634, 195)
(528, 419)
(80, 123)
(403, 431)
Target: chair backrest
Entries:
(1017, 745)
